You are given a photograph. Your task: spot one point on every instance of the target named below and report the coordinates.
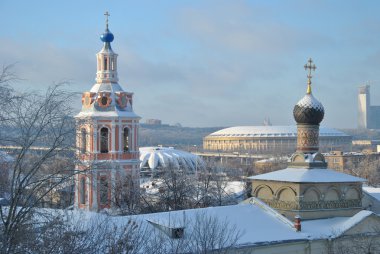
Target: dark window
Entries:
(104, 100)
(82, 191)
(83, 141)
(126, 140)
(103, 190)
(104, 140)
(105, 63)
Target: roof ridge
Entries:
(260, 204)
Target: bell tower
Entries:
(107, 138)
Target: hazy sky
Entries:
(203, 63)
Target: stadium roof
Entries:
(271, 131)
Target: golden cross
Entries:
(310, 66)
(107, 15)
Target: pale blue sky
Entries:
(203, 63)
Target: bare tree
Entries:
(203, 233)
(368, 168)
(210, 233)
(176, 191)
(67, 232)
(127, 200)
(212, 186)
(355, 244)
(31, 120)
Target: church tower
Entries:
(307, 188)
(107, 138)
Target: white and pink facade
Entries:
(107, 138)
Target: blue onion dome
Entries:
(107, 36)
(308, 110)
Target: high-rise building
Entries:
(369, 116)
(107, 138)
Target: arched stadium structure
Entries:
(271, 140)
(158, 157)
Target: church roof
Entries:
(271, 131)
(304, 175)
(372, 191)
(258, 223)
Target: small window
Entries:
(105, 67)
(104, 140)
(83, 147)
(126, 140)
(103, 190)
(104, 100)
(82, 191)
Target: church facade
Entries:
(107, 138)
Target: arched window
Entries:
(82, 191)
(104, 140)
(126, 140)
(103, 190)
(105, 67)
(83, 141)
(104, 101)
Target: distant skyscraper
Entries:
(369, 116)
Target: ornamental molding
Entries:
(88, 98)
(313, 205)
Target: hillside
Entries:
(152, 135)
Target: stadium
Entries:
(271, 139)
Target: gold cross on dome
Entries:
(311, 67)
(107, 15)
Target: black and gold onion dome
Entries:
(309, 110)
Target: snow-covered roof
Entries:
(157, 156)
(258, 223)
(106, 87)
(373, 191)
(309, 101)
(115, 113)
(271, 131)
(298, 175)
(112, 110)
(333, 227)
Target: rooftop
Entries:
(271, 131)
(315, 175)
(372, 191)
(258, 223)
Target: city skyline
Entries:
(204, 63)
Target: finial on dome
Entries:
(311, 67)
(107, 15)
(107, 36)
